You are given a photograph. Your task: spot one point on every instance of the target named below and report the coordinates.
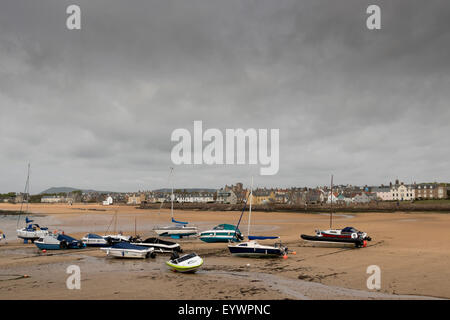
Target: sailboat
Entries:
(252, 248)
(179, 229)
(31, 231)
(346, 237)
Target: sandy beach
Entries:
(411, 250)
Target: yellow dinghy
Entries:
(188, 263)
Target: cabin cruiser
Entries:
(128, 250)
(252, 248)
(222, 233)
(176, 231)
(346, 237)
(94, 240)
(58, 241)
(188, 263)
(160, 246)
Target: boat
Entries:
(176, 231)
(222, 233)
(159, 245)
(128, 250)
(189, 263)
(58, 241)
(179, 229)
(346, 237)
(2, 235)
(94, 240)
(32, 231)
(252, 248)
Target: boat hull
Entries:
(46, 246)
(126, 253)
(255, 252)
(175, 232)
(191, 265)
(333, 242)
(218, 239)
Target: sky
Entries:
(95, 108)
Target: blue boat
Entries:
(222, 233)
(254, 249)
(59, 241)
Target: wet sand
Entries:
(410, 248)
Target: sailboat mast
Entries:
(250, 208)
(171, 196)
(25, 191)
(331, 206)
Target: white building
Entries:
(108, 201)
(403, 192)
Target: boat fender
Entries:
(364, 243)
(354, 235)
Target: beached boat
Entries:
(94, 240)
(222, 233)
(176, 231)
(159, 245)
(252, 248)
(32, 231)
(346, 237)
(128, 250)
(2, 235)
(179, 229)
(188, 263)
(58, 241)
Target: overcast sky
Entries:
(95, 108)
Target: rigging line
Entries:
(243, 210)
(25, 190)
(164, 199)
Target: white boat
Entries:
(127, 250)
(32, 232)
(188, 263)
(176, 231)
(179, 229)
(94, 240)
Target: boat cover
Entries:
(179, 222)
(260, 238)
(126, 245)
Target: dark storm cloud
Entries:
(95, 108)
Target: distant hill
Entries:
(187, 189)
(56, 190)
